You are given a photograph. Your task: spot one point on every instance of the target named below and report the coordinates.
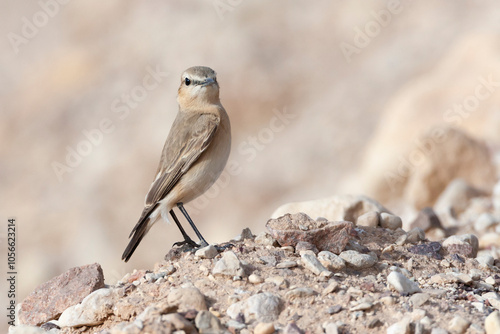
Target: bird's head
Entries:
(198, 86)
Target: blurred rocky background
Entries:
(393, 100)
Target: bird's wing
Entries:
(188, 139)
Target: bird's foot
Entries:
(187, 243)
(221, 248)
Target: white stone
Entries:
(484, 222)
(26, 329)
(264, 307)
(485, 260)
(255, 279)
(492, 323)
(402, 284)
(208, 252)
(401, 327)
(91, 311)
(310, 262)
(357, 260)
(228, 265)
(331, 328)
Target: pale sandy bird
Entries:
(194, 155)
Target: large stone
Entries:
(492, 323)
(51, 298)
(93, 310)
(466, 245)
(228, 265)
(187, 299)
(264, 307)
(335, 208)
(456, 197)
(291, 229)
(432, 98)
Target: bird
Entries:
(193, 157)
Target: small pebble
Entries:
(402, 284)
(389, 221)
(264, 328)
(255, 279)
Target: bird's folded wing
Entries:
(188, 139)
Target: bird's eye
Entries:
(187, 81)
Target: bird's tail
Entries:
(139, 231)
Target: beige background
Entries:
(71, 73)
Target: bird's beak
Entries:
(207, 82)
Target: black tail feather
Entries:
(139, 232)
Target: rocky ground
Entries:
(363, 273)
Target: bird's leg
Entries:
(203, 242)
(187, 239)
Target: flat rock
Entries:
(357, 260)
(419, 299)
(51, 298)
(291, 229)
(264, 307)
(402, 284)
(228, 265)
